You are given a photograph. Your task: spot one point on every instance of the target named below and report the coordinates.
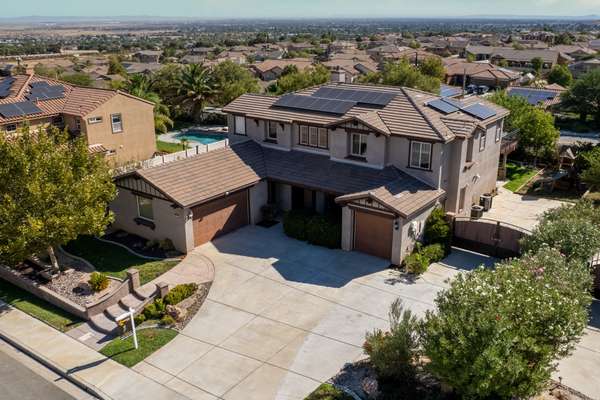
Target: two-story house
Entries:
(117, 124)
(381, 157)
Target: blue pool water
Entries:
(201, 137)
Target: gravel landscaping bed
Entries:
(192, 304)
(73, 285)
(140, 245)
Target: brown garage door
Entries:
(373, 233)
(220, 216)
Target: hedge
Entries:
(316, 229)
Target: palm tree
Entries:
(195, 87)
(141, 86)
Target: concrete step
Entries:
(131, 301)
(115, 311)
(103, 324)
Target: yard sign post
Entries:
(130, 314)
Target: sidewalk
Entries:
(107, 378)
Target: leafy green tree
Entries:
(294, 81)
(141, 86)
(499, 332)
(403, 74)
(437, 229)
(434, 67)
(51, 191)
(572, 230)
(537, 63)
(232, 80)
(115, 67)
(561, 75)
(591, 173)
(195, 88)
(584, 96)
(78, 78)
(470, 57)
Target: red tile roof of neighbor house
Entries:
(407, 114)
(78, 101)
(211, 175)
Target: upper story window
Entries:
(94, 120)
(10, 128)
(239, 125)
(358, 145)
(272, 130)
(498, 134)
(117, 123)
(78, 124)
(313, 137)
(482, 141)
(420, 155)
(144, 206)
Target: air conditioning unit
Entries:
(476, 212)
(486, 202)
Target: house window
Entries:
(359, 144)
(498, 135)
(94, 120)
(313, 137)
(10, 128)
(77, 124)
(482, 140)
(117, 123)
(304, 135)
(240, 125)
(420, 155)
(144, 206)
(272, 130)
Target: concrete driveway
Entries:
(283, 316)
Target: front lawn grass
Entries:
(518, 176)
(114, 260)
(168, 147)
(149, 340)
(328, 392)
(37, 308)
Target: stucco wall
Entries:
(347, 228)
(284, 196)
(169, 222)
(258, 198)
(136, 142)
(408, 241)
(399, 156)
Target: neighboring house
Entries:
(575, 51)
(237, 57)
(141, 68)
(478, 73)
(300, 47)
(193, 59)
(114, 123)
(381, 159)
(148, 56)
(517, 59)
(594, 44)
(347, 71)
(581, 67)
(544, 97)
(270, 70)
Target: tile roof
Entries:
(208, 176)
(78, 101)
(406, 115)
(267, 65)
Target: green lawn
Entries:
(36, 307)
(328, 392)
(114, 260)
(168, 147)
(517, 176)
(149, 340)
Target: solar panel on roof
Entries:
(449, 91)
(19, 109)
(442, 106)
(366, 97)
(309, 103)
(9, 111)
(454, 102)
(27, 107)
(532, 96)
(479, 110)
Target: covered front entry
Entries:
(373, 233)
(220, 216)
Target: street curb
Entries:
(56, 369)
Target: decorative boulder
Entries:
(177, 313)
(370, 387)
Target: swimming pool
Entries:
(199, 136)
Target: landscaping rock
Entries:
(177, 313)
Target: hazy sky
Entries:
(299, 8)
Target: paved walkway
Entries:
(283, 316)
(519, 210)
(107, 378)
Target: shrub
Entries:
(155, 310)
(166, 245)
(322, 231)
(498, 332)
(139, 319)
(437, 229)
(394, 354)
(180, 293)
(434, 252)
(98, 281)
(167, 320)
(294, 224)
(416, 263)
